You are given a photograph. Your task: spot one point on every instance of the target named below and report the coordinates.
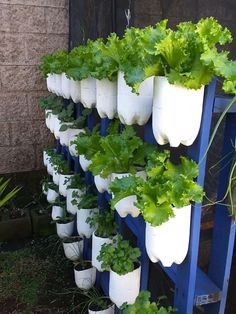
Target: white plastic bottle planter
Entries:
(58, 82)
(88, 92)
(169, 242)
(49, 81)
(64, 181)
(126, 205)
(110, 309)
(53, 120)
(75, 91)
(69, 197)
(177, 112)
(50, 168)
(65, 229)
(84, 163)
(124, 288)
(73, 133)
(57, 211)
(55, 177)
(101, 183)
(73, 247)
(97, 243)
(45, 158)
(132, 108)
(106, 98)
(51, 196)
(65, 86)
(64, 135)
(72, 137)
(85, 279)
(83, 227)
(48, 118)
(56, 128)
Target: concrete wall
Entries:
(28, 29)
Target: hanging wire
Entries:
(128, 14)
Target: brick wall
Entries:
(28, 29)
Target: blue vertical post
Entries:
(224, 226)
(186, 272)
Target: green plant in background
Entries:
(143, 305)
(104, 223)
(60, 166)
(60, 203)
(120, 153)
(76, 182)
(119, 256)
(6, 196)
(88, 200)
(67, 115)
(52, 186)
(78, 123)
(88, 143)
(52, 103)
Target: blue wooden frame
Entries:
(192, 285)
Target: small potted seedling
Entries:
(66, 118)
(58, 208)
(75, 189)
(106, 230)
(52, 192)
(142, 305)
(86, 207)
(44, 182)
(125, 270)
(64, 225)
(73, 247)
(101, 305)
(85, 274)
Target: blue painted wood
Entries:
(221, 102)
(187, 271)
(224, 227)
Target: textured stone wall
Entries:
(28, 29)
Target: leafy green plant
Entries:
(60, 166)
(167, 186)
(78, 123)
(143, 305)
(87, 200)
(52, 103)
(123, 187)
(134, 52)
(104, 223)
(119, 256)
(189, 56)
(88, 143)
(56, 62)
(81, 62)
(100, 304)
(60, 203)
(6, 196)
(67, 115)
(120, 153)
(52, 186)
(65, 218)
(76, 182)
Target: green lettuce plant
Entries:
(119, 256)
(167, 186)
(78, 123)
(143, 305)
(76, 182)
(56, 63)
(88, 200)
(88, 143)
(104, 223)
(53, 103)
(120, 153)
(190, 57)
